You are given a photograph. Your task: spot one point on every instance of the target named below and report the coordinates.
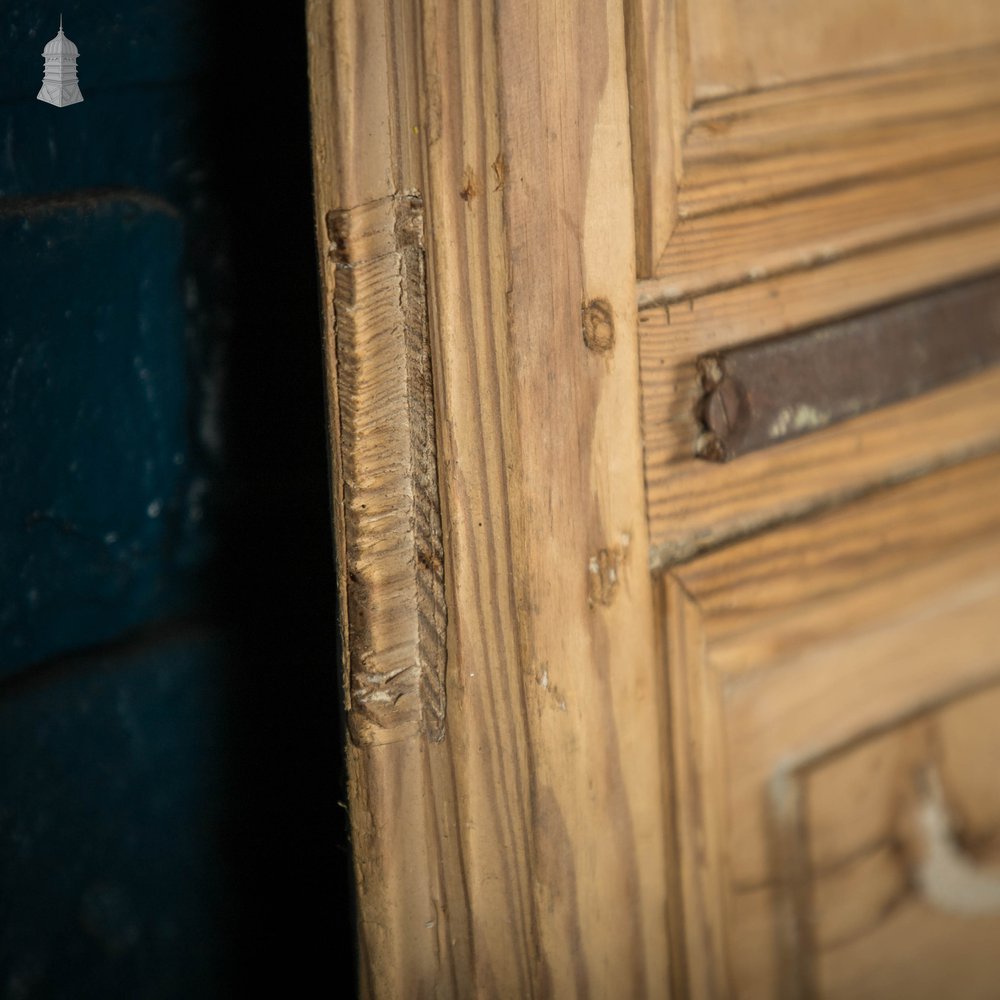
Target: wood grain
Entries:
(807, 693)
(864, 907)
(780, 142)
(803, 200)
(700, 788)
(693, 504)
(762, 577)
(413, 924)
(814, 670)
(659, 94)
(541, 439)
(755, 243)
(742, 45)
(524, 854)
(838, 140)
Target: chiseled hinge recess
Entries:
(395, 627)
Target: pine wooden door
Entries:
(626, 718)
(836, 747)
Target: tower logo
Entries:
(59, 85)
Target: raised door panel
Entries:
(734, 101)
(796, 164)
(897, 838)
(834, 686)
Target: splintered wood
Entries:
(395, 564)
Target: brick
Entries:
(99, 506)
(111, 825)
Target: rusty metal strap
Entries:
(763, 393)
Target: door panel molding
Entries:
(816, 672)
(768, 203)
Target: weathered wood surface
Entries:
(657, 36)
(524, 854)
(876, 929)
(789, 140)
(693, 503)
(757, 242)
(823, 661)
(761, 394)
(413, 925)
(769, 201)
(841, 142)
(740, 45)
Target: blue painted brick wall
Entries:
(170, 757)
(101, 507)
(111, 824)
(114, 306)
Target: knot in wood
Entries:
(598, 325)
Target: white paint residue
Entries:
(802, 417)
(545, 684)
(950, 880)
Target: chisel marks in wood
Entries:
(395, 627)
